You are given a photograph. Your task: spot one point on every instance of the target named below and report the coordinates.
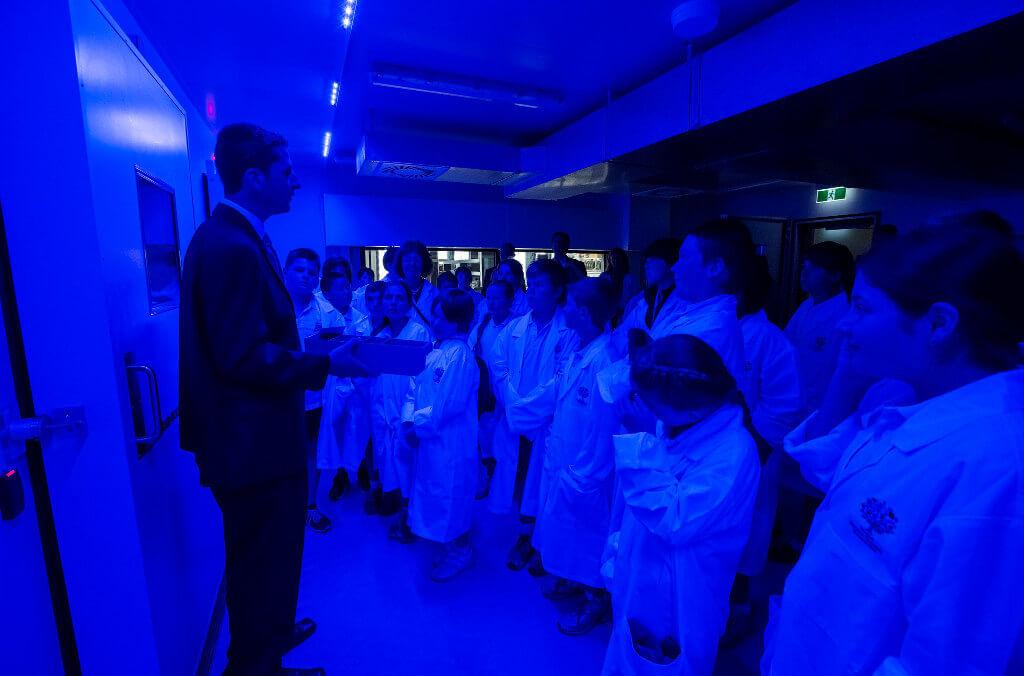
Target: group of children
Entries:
(646, 441)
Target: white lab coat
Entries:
(712, 320)
(316, 316)
(635, 318)
(689, 502)
(424, 303)
(393, 462)
(508, 354)
(914, 559)
(442, 406)
(576, 490)
(772, 390)
(345, 423)
(812, 331)
(488, 421)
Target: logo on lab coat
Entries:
(582, 396)
(438, 374)
(880, 519)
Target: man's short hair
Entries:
(304, 254)
(241, 147)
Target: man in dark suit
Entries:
(243, 378)
(560, 249)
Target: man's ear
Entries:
(942, 320)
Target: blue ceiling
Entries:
(273, 63)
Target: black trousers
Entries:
(264, 527)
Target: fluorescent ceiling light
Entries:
(464, 88)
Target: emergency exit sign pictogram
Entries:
(831, 195)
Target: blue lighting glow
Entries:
(349, 13)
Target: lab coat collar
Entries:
(922, 424)
(724, 303)
(590, 352)
(557, 323)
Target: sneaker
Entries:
(390, 503)
(317, 520)
(521, 553)
(340, 486)
(536, 567)
(456, 560)
(563, 589)
(592, 611)
(400, 531)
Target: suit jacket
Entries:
(243, 374)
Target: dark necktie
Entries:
(274, 260)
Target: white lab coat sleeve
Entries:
(778, 410)
(533, 411)
(455, 393)
(500, 365)
(409, 405)
(819, 457)
(677, 509)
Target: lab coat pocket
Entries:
(639, 650)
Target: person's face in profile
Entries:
(498, 304)
(541, 293)
(339, 294)
(300, 277)
(278, 184)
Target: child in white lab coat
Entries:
(394, 469)
(576, 492)
(500, 295)
(827, 277)
(344, 426)
(439, 421)
(689, 485)
(527, 354)
(913, 562)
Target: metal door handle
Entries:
(15, 431)
(149, 438)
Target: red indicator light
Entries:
(11, 473)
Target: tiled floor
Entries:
(378, 613)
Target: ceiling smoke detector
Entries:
(695, 19)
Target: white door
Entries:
(28, 632)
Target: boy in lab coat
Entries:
(527, 354)
(344, 425)
(576, 492)
(439, 421)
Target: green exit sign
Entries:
(831, 195)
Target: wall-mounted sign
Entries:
(831, 195)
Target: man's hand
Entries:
(344, 363)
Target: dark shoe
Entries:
(302, 630)
(536, 566)
(340, 486)
(363, 475)
(299, 671)
(563, 589)
(372, 503)
(521, 553)
(390, 503)
(400, 531)
(591, 612)
(317, 520)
